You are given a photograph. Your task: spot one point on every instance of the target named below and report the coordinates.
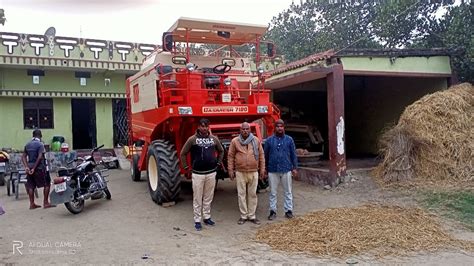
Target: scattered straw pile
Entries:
(371, 230)
(433, 140)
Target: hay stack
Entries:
(433, 140)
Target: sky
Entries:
(141, 21)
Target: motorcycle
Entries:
(75, 185)
(4, 161)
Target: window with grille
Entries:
(38, 113)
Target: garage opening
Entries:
(371, 105)
(84, 131)
(374, 103)
(352, 99)
(304, 109)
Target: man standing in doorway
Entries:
(203, 147)
(35, 168)
(245, 161)
(282, 164)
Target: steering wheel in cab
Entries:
(221, 69)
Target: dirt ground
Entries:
(131, 226)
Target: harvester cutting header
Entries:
(199, 72)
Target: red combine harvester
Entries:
(197, 73)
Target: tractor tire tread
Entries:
(169, 179)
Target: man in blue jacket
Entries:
(282, 164)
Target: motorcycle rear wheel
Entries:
(75, 207)
(135, 173)
(2, 179)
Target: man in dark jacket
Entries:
(204, 164)
(282, 164)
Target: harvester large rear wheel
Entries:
(164, 180)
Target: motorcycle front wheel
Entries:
(75, 206)
(107, 193)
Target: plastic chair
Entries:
(17, 178)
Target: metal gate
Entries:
(120, 122)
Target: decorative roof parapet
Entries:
(53, 47)
(56, 94)
(61, 62)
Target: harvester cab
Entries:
(205, 68)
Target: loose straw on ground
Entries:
(370, 229)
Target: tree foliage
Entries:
(316, 25)
(455, 30)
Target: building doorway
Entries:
(120, 122)
(84, 130)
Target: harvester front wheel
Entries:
(164, 181)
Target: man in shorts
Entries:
(35, 167)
